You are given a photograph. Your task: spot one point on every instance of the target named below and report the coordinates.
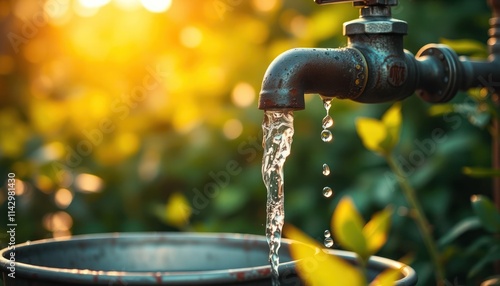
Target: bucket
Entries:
(136, 259)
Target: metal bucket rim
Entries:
(85, 275)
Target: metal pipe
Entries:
(374, 67)
(330, 72)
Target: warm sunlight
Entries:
(94, 3)
(156, 6)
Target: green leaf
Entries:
(481, 172)
(347, 225)
(487, 213)
(376, 230)
(492, 255)
(319, 268)
(460, 228)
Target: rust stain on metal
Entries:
(397, 74)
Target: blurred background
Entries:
(141, 115)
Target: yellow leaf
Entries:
(347, 225)
(375, 231)
(372, 133)
(389, 276)
(392, 121)
(392, 117)
(319, 268)
(177, 210)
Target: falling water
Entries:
(327, 136)
(277, 140)
(328, 239)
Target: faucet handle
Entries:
(360, 2)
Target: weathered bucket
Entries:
(135, 259)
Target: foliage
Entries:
(381, 136)
(354, 235)
(391, 122)
(326, 266)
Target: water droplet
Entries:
(327, 103)
(327, 233)
(326, 136)
(326, 170)
(328, 122)
(327, 192)
(328, 242)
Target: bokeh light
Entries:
(232, 128)
(128, 4)
(83, 10)
(88, 183)
(20, 188)
(191, 37)
(243, 94)
(266, 5)
(156, 6)
(59, 223)
(63, 198)
(93, 3)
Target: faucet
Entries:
(374, 67)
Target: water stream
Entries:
(277, 141)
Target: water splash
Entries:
(277, 140)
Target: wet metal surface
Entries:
(135, 259)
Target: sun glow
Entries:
(156, 6)
(94, 3)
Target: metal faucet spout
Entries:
(330, 72)
(374, 67)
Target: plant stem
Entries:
(419, 217)
(363, 267)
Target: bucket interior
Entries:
(172, 253)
